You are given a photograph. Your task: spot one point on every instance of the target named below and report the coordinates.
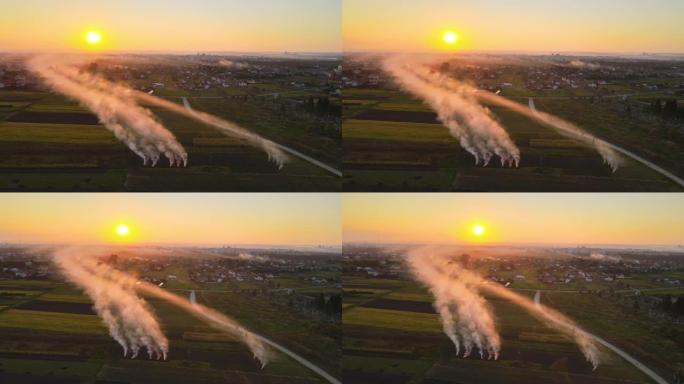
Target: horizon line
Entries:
(520, 52)
(518, 244)
(174, 245)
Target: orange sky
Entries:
(625, 26)
(514, 218)
(167, 218)
(172, 25)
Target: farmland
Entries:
(393, 335)
(394, 142)
(50, 143)
(50, 333)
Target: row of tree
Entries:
(668, 109)
(674, 307)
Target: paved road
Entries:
(633, 156)
(329, 378)
(301, 360)
(289, 150)
(643, 368)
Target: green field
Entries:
(422, 156)
(409, 346)
(47, 347)
(69, 155)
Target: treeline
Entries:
(323, 106)
(674, 307)
(669, 109)
(331, 305)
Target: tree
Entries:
(658, 107)
(670, 109)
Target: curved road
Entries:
(633, 156)
(643, 368)
(320, 372)
(289, 150)
(301, 360)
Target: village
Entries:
(537, 74)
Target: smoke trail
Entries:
(233, 64)
(582, 64)
(211, 317)
(134, 126)
(226, 127)
(475, 325)
(444, 275)
(561, 126)
(472, 124)
(130, 320)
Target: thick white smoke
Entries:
(244, 256)
(422, 79)
(603, 257)
(470, 317)
(584, 65)
(133, 125)
(136, 126)
(467, 319)
(233, 64)
(226, 127)
(130, 320)
(473, 125)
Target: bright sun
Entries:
(122, 230)
(93, 37)
(450, 37)
(479, 230)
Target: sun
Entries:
(450, 37)
(122, 230)
(93, 37)
(479, 230)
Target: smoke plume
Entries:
(137, 127)
(467, 319)
(603, 257)
(473, 125)
(466, 316)
(228, 128)
(584, 65)
(129, 318)
(561, 126)
(233, 64)
(459, 107)
(133, 125)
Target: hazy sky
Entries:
(515, 25)
(172, 25)
(630, 219)
(230, 218)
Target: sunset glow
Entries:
(167, 218)
(479, 230)
(93, 37)
(122, 230)
(163, 26)
(450, 38)
(513, 26)
(463, 218)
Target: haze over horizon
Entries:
(526, 26)
(171, 26)
(172, 219)
(508, 219)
